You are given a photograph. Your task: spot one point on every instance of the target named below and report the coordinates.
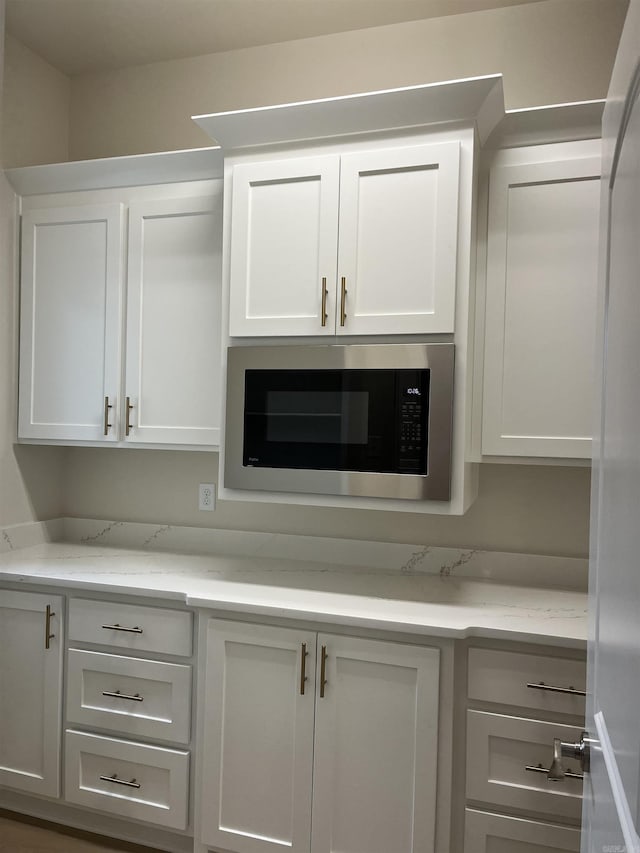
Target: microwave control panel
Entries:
(413, 405)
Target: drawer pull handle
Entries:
(116, 781)
(118, 695)
(118, 627)
(540, 769)
(571, 691)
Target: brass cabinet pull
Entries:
(107, 406)
(343, 300)
(127, 420)
(116, 694)
(48, 636)
(116, 781)
(540, 769)
(323, 310)
(118, 627)
(551, 689)
(323, 670)
(303, 668)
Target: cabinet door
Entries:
(30, 692)
(173, 351)
(398, 240)
(71, 318)
(376, 745)
(542, 261)
(284, 237)
(258, 745)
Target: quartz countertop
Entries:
(398, 599)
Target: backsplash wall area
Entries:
(550, 51)
(521, 508)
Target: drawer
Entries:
(498, 750)
(132, 780)
(492, 833)
(497, 676)
(153, 701)
(131, 626)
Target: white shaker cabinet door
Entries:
(258, 744)
(173, 354)
(542, 261)
(398, 240)
(376, 746)
(30, 692)
(284, 237)
(71, 319)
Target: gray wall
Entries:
(31, 478)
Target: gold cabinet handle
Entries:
(323, 310)
(48, 636)
(127, 419)
(323, 670)
(303, 668)
(343, 300)
(107, 406)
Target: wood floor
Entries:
(39, 837)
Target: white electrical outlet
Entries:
(207, 496)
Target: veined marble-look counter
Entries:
(411, 597)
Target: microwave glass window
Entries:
(325, 417)
(345, 420)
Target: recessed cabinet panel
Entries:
(70, 321)
(542, 265)
(284, 237)
(376, 743)
(173, 321)
(258, 738)
(30, 692)
(133, 780)
(148, 699)
(398, 239)
(492, 833)
(500, 748)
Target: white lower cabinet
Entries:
(371, 761)
(492, 833)
(31, 653)
(133, 780)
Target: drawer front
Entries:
(131, 627)
(153, 698)
(128, 779)
(499, 748)
(497, 676)
(492, 833)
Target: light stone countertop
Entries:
(401, 599)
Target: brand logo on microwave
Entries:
(415, 391)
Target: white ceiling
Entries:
(80, 36)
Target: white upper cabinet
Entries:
(398, 240)
(358, 243)
(85, 374)
(173, 344)
(71, 316)
(284, 235)
(542, 260)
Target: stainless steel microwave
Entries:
(371, 420)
